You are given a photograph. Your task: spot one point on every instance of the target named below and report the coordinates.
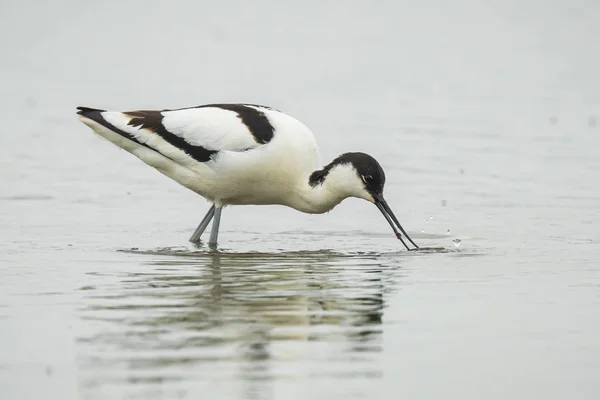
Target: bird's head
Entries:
(359, 175)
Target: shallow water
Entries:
(484, 117)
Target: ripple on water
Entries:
(204, 315)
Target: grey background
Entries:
(484, 115)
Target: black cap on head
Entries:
(367, 168)
(373, 177)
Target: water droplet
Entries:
(444, 202)
(430, 218)
(456, 243)
(462, 171)
(422, 230)
(448, 232)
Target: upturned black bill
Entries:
(393, 221)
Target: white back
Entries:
(210, 127)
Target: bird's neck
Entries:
(322, 190)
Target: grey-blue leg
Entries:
(202, 227)
(214, 233)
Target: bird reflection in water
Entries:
(252, 317)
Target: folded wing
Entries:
(190, 135)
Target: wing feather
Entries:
(191, 134)
(214, 128)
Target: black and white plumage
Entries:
(236, 154)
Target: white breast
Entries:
(270, 174)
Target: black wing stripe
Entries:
(257, 122)
(152, 120)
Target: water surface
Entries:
(484, 116)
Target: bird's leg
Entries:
(202, 227)
(214, 233)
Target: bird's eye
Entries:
(367, 178)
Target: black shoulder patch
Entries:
(257, 122)
(152, 120)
